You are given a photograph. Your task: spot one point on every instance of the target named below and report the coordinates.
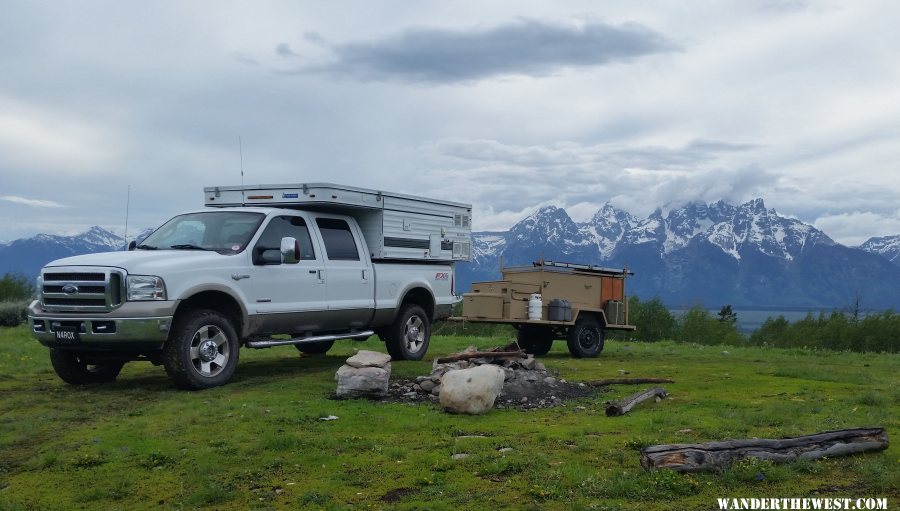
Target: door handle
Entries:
(239, 276)
(365, 275)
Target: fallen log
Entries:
(624, 406)
(628, 381)
(468, 355)
(719, 455)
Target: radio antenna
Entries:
(241, 150)
(127, 205)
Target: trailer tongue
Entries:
(553, 300)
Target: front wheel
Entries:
(202, 351)
(408, 336)
(585, 339)
(73, 368)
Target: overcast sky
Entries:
(505, 105)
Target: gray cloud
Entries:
(36, 203)
(524, 47)
(514, 178)
(571, 154)
(284, 50)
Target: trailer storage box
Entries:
(483, 305)
(395, 226)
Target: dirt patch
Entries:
(397, 494)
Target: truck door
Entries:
(349, 288)
(290, 298)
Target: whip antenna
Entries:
(241, 150)
(127, 204)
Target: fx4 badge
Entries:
(442, 276)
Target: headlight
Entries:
(145, 287)
(38, 287)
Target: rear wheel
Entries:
(314, 348)
(585, 339)
(534, 339)
(76, 369)
(408, 336)
(202, 351)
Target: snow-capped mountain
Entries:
(710, 253)
(885, 246)
(29, 255)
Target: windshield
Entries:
(220, 231)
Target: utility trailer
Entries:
(395, 226)
(553, 300)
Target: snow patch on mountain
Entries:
(885, 246)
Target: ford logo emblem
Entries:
(70, 289)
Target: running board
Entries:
(268, 343)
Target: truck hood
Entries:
(151, 262)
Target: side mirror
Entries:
(131, 245)
(290, 250)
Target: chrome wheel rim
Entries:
(414, 334)
(209, 351)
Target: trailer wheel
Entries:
(534, 339)
(408, 336)
(202, 351)
(314, 348)
(585, 339)
(72, 368)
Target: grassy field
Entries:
(258, 443)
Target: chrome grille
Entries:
(81, 289)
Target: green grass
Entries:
(257, 443)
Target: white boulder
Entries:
(471, 391)
(366, 358)
(355, 382)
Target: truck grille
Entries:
(99, 290)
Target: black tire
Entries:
(202, 351)
(314, 348)
(74, 369)
(534, 339)
(585, 339)
(408, 336)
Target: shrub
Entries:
(13, 313)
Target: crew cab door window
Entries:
(338, 238)
(268, 247)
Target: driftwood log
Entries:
(628, 381)
(625, 405)
(468, 355)
(719, 455)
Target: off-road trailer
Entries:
(578, 303)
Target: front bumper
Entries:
(133, 325)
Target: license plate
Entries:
(66, 334)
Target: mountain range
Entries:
(711, 254)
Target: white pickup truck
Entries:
(317, 262)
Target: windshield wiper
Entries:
(188, 246)
(147, 247)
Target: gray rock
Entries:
(539, 366)
(366, 358)
(427, 385)
(471, 391)
(436, 391)
(356, 382)
(529, 362)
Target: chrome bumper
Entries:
(144, 323)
